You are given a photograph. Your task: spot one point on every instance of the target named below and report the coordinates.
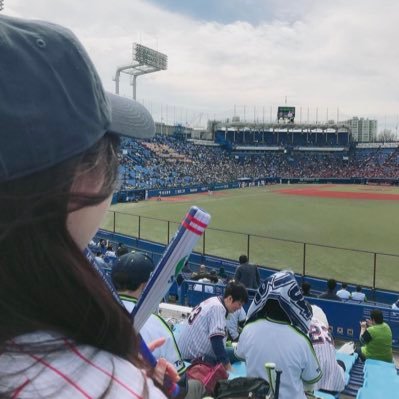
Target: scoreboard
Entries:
(286, 114)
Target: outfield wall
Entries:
(140, 194)
(191, 190)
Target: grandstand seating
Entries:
(166, 162)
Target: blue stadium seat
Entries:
(373, 362)
(239, 369)
(324, 395)
(376, 371)
(375, 391)
(381, 377)
(349, 360)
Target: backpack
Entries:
(242, 388)
(208, 374)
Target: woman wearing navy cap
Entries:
(62, 334)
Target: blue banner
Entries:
(170, 192)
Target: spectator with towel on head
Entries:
(276, 331)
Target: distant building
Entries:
(363, 130)
(173, 130)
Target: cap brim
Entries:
(130, 118)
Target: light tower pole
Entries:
(145, 60)
(1, 4)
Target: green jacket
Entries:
(378, 343)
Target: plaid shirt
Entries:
(74, 371)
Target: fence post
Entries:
(374, 274)
(114, 222)
(139, 227)
(167, 241)
(304, 261)
(248, 239)
(203, 247)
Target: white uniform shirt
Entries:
(358, 296)
(77, 371)
(333, 375)
(264, 341)
(232, 322)
(156, 327)
(206, 320)
(344, 294)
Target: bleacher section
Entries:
(167, 162)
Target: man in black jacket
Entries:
(247, 274)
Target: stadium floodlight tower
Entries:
(145, 60)
(1, 4)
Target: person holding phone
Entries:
(375, 338)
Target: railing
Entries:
(367, 268)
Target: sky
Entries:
(330, 59)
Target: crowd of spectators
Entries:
(323, 355)
(165, 162)
(331, 292)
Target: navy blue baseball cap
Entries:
(53, 105)
(131, 270)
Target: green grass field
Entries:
(369, 225)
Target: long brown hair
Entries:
(46, 282)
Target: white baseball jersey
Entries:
(333, 375)
(344, 294)
(264, 341)
(206, 320)
(156, 327)
(232, 322)
(75, 371)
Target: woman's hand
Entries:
(228, 367)
(163, 367)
